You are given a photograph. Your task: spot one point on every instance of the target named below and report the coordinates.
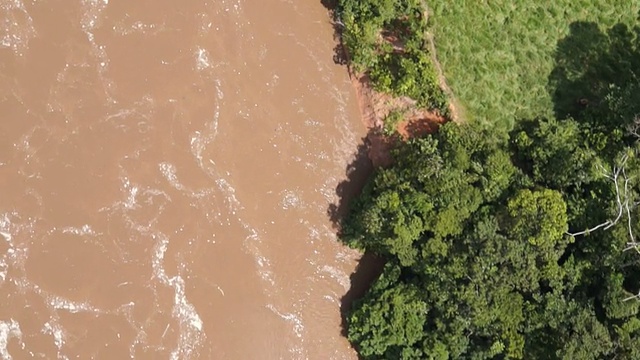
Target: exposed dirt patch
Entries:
(374, 108)
(420, 125)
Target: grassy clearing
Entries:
(498, 55)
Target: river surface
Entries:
(165, 172)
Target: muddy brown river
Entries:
(165, 172)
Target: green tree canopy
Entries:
(511, 246)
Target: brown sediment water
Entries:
(165, 173)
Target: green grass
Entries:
(497, 55)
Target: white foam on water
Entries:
(132, 192)
(328, 190)
(15, 259)
(298, 327)
(205, 22)
(233, 7)
(141, 335)
(332, 299)
(8, 330)
(202, 59)
(134, 196)
(170, 173)
(31, 163)
(53, 328)
(230, 195)
(4, 267)
(141, 338)
(11, 224)
(83, 230)
(137, 118)
(344, 144)
(340, 276)
(6, 236)
(201, 139)
(252, 244)
(191, 333)
(120, 114)
(275, 80)
(60, 303)
(138, 27)
(291, 199)
(91, 20)
(17, 30)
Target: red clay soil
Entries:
(427, 123)
(375, 106)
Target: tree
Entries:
(511, 246)
(391, 319)
(483, 263)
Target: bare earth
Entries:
(375, 106)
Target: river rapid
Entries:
(165, 173)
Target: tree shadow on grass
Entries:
(589, 64)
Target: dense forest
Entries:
(505, 242)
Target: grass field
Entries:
(498, 55)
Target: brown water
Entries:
(165, 171)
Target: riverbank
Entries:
(376, 107)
